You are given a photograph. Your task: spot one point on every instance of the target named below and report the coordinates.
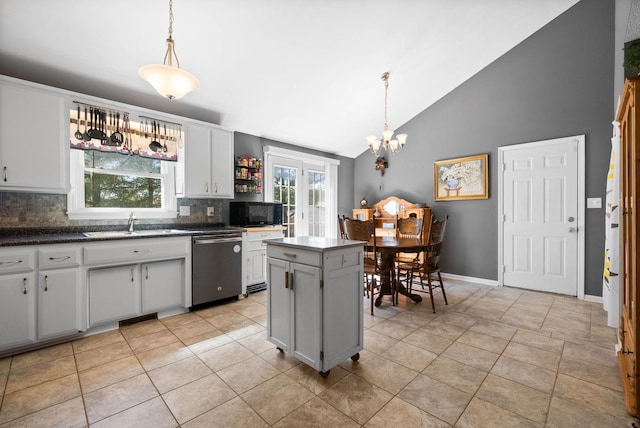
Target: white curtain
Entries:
(611, 280)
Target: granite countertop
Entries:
(34, 236)
(314, 243)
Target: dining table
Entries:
(389, 247)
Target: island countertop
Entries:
(314, 243)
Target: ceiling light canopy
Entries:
(375, 145)
(168, 79)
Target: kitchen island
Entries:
(314, 299)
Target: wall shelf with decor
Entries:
(248, 174)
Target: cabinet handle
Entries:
(46, 283)
(10, 262)
(141, 251)
(215, 187)
(290, 280)
(206, 187)
(286, 280)
(131, 275)
(147, 272)
(24, 285)
(58, 259)
(290, 254)
(4, 174)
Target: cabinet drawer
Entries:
(136, 250)
(313, 258)
(17, 261)
(51, 258)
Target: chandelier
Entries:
(168, 79)
(375, 145)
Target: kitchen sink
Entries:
(124, 233)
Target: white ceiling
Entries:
(302, 72)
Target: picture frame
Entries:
(461, 178)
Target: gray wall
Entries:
(556, 83)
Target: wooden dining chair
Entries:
(343, 235)
(431, 264)
(410, 227)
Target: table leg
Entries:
(387, 264)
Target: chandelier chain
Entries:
(170, 18)
(386, 90)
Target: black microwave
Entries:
(255, 213)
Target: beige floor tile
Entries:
(482, 414)
(109, 373)
(386, 374)
(528, 402)
(565, 413)
(227, 320)
(608, 376)
(430, 342)
(472, 356)
(225, 356)
(494, 329)
(281, 360)
(409, 356)
(483, 341)
(120, 396)
(586, 394)
(142, 329)
(247, 374)
(153, 413)
(591, 353)
(233, 413)
(309, 378)
(540, 340)
(563, 312)
(180, 320)
(3, 383)
(377, 342)
(453, 373)
(194, 328)
(209, 340)
(32, 399)
(68, 414)
(244, 329)
(371, 320)
(41, 356)
(570, 327)
(459, 320)
(257, 342)
(525, 373)
(152, 340)
(493, 301)
(393, 329)
(97, 341)
(316, 414)
(437, 398)
(541, 309)
(252, 310)
(198, 397)
(484, 314)
(34, 375)
(5, 363)
(410, 318)
(164, 355)
(399, 413)
(448, 331)
(521, 319)
(214, 310)
(538, 357)
(105, 354)
(179, 373)
(506, 293)
(536, 299)
(356, 398)
(288, 394)
(571, 304)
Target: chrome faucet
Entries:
(131, 220)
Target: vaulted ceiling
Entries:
(302, 72)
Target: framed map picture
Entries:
(461, 178)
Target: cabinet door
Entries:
(222, 163)
(59, 303)
(114, 294)
(17, 310)
(197, 162)
(35, 144)
(256, 268)
(278, 304)
(305, 290)
(162, 285)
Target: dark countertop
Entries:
(33, 236)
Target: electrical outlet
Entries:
(594, 202)
(209, 211)
(185, 210)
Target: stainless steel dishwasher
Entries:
(216, 262)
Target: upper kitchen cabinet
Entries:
(33, 132)
(208, 162)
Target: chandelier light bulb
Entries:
(394, 146)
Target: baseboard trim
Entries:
(483, 281)
(590, 298)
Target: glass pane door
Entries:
(316, 209)
(284, 190)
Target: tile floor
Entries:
(494, 357)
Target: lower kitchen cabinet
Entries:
(114, 294)
(254, 250)
(59, 303)
(18, 303)
(314, 299)
(162, 285)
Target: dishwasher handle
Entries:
(199, 241)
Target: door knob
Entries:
(571, 219)
(572, 229)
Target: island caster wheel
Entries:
(279, 349)
(246, 295)
(355, 357)
(325, 374)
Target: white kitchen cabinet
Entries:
(114, 294)
(60, 305)
(34, 139)
(17, 314)
(208, 162)
(254, 247)
(162, 285)
(314, 299)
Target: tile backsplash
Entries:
(42, 210)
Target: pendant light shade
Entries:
(387, 142)
(168, 79)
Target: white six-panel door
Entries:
(541, 217)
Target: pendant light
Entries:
(168, 79)
(387, 143)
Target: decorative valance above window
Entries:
(109, 130)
